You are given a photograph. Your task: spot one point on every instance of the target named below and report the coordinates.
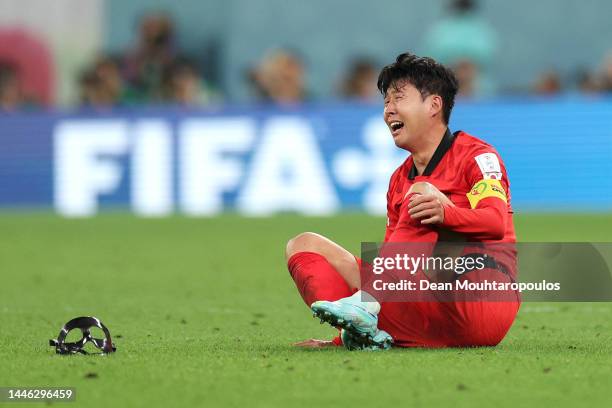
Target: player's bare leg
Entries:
(313, 258)
(425, 188)
(358, 314)
(346, 266)
(342, 260)
(339, 269)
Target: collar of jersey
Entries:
(443, 147)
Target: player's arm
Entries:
(409, 227)
(486, 221)
(487, 217)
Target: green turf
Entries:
(204, 312)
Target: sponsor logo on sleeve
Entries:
(489, 166)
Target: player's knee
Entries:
(303, 242)
(421, 187)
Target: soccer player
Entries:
(451, 183)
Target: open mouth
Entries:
(395, 126)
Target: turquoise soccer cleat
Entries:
(352, 317)
(381, 341)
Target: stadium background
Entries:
(536, 93)
(162, 203)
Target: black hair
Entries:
(8, 73)
(463, 6)
(425, 74)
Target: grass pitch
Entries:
(204, 313)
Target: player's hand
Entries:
(314, 343)
(426, 207)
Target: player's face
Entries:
(406, 114)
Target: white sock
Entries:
(365, 300)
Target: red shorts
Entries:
(447, 324)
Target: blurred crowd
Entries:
(155, 71)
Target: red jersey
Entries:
(472, 175)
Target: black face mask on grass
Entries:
(83, 323)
